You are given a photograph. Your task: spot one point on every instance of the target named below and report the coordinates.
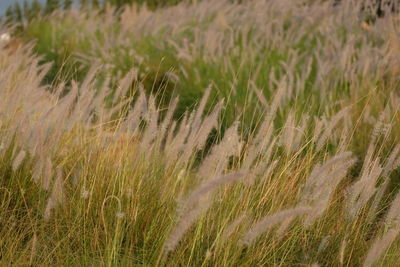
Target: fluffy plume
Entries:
(18, 160)
(321, 136)
(57, 195)
(271, 220)
(362, 190)
(292, 134)
(322, 183)
(209, 186)
(231, 228)
(381, 244)
(194, 205)
(215, 163)
(181, 228)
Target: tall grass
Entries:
(259, 133)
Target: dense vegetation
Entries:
(30, 9)
(211, 133)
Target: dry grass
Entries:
(101, 171)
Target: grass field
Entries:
(210, 133)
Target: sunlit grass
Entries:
(261, 133)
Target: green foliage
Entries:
(149, 3)
(96, 3)
(32, 9)
(18, 12)
(9, 15)
(84, 4)
(67, 4)
(51, 6)
(36, 9)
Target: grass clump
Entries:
(254, 133)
